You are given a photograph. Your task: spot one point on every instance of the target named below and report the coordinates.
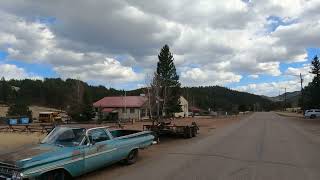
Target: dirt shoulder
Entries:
(289, 114)
(12, 140)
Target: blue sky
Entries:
(257, 47)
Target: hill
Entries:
(62, 94)
(221, 98)
(292, 98)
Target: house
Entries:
(185, 108)
(122, 107)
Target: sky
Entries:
(258, 46)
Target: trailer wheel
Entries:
(187, 132)
(132, 157)
(194, 132)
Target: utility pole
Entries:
(78, 89)
(301, 84)
(125, 104)
(285, 99)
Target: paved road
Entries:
(263, 146)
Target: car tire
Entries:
(132, 157)
(55, 175)
(313, 116)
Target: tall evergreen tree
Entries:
(4, 90)
(170, 87)
(87, 107)
(312, 90)
(315, 69)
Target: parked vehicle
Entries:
(69, 152)
(167, 128)
(312, 113)
(50, 117)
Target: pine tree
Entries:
(19, 109)
(315, 69)
(4, 90)
(170, 87)
(87, 107)
(311, 91)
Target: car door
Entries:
(101, 150)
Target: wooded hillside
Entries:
(58, 93)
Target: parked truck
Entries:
(69, 152)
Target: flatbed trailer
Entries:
(166, 128)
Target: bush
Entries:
(19, 109)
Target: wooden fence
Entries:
(42, 128)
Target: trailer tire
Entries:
(194, 132)
(187, 132)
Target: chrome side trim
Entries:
(56, 166)
(99, 153)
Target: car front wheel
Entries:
(132, 157)
(55, 175)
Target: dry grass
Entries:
(35, 110)
(289, 114)
(12, 140)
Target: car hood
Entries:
(25, 153)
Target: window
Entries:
(132, 110)
(98, 135)
(65, 136)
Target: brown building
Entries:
(122, 107)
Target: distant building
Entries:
(122, 107)
(194, 110)
(185, 108)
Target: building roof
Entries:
(107, 109)
(121, 101)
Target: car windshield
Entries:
(65, 136)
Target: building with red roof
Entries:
(122, 107)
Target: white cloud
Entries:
(292, 82)
(253, 76)
(35, 42)
(204, 77)
(9, 71)
(270, 88)
(228, 38)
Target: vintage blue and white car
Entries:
(70, 152)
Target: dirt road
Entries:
(264, 146)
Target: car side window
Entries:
(98, 135)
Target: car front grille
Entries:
(7, 170)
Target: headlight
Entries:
(17, 176)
